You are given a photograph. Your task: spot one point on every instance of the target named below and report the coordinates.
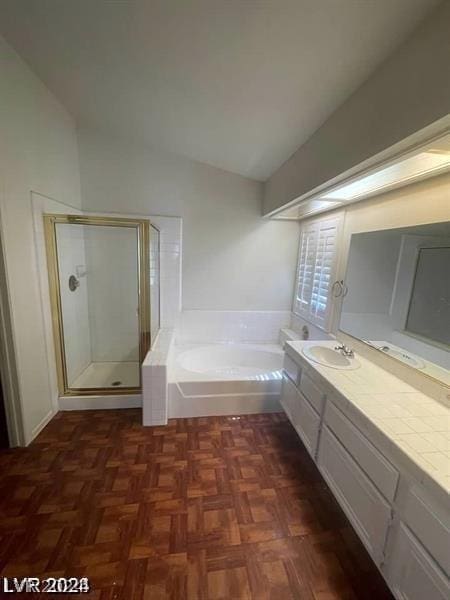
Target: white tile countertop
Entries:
(407, 425)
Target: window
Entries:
(317, 261)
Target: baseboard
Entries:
(40, 426)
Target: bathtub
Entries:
(224, 379)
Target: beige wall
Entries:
(38, 152)
(232, 258)
(408, 92)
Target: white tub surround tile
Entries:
(407, 424)
(298, 324)
(154, 380)
(205, 326)
(288, 335)
(170, 229)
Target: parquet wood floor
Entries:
(205, 508)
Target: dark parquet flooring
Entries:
(204, 508)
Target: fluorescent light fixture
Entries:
(431, 159)
(309, 207)
(419, 165)
(316, 206)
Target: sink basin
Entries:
(330, 358)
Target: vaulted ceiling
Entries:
(238, 84)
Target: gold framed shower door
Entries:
(142, 227)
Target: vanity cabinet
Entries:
(403, 527)
(410, 570)
(302, 416)
(365, 507)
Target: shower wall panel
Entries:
(112, 277)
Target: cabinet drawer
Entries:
(379, 470)
(366, 508)
(304, 419)
(411, 573)
(292, 369)
(312, 392)
(429, 526)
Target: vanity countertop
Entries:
(410, 426)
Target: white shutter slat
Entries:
(315, 271)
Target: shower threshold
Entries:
(108, 375)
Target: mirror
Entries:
(398, 295)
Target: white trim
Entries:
(40, 426)
(100, 402)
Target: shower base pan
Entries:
(103, 375)
(108, 375)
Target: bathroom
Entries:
(191, 221)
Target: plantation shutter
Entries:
(317, 260)
(305, 272)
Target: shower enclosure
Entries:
(104, 288)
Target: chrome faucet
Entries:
(345, 351)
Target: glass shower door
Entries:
(99, 283)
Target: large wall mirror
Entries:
(398, 295)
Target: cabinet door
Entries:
(411, 572)
(292, 369)
(379, 470)
(305, 420)
(430, 525)
(288, 393)
(312, 392)
(366, 508)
